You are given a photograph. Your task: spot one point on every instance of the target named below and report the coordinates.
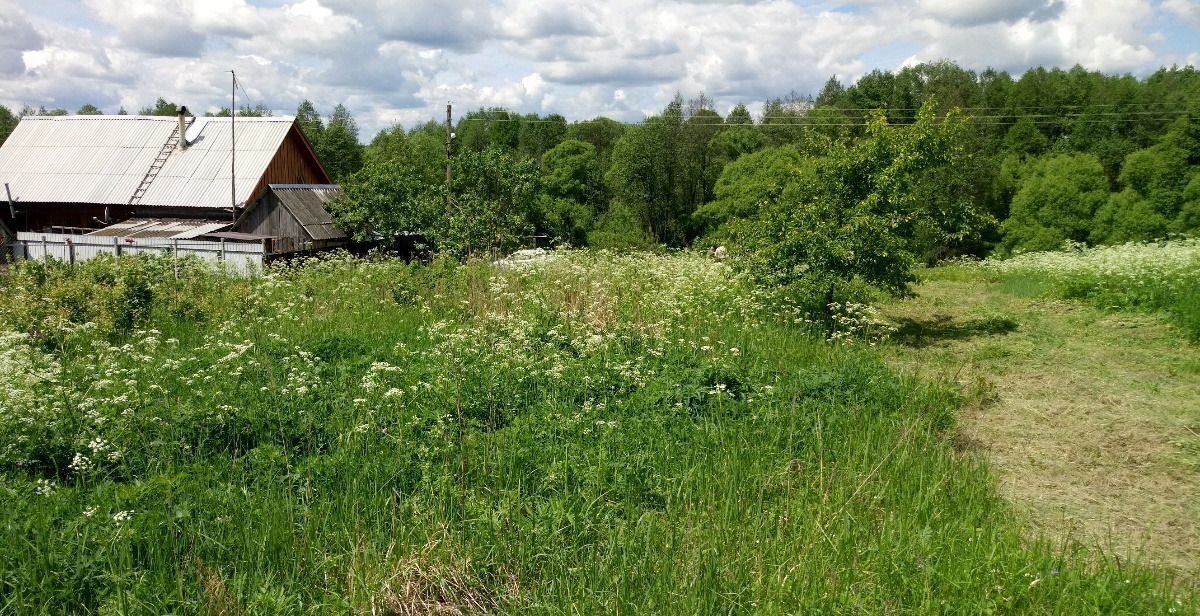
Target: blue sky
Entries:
(399, 61)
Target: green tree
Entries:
(1025, 140)
(752, 182)
(786, 120)
(866, 218)
(573, 191)
(1128, 217)
(602, 133)
(89, 109)
(245, 111)
(492, 201)
(729, 145)
(640, 177)
(536, 136)
(8, 122)
(1057, 201)
(620, 228)
(1188, 220)
(739, 116)
(389, 144)
(161, 107)
(1155, 182)
(572, 171)
(310, 122)
(339, 149)
(385, 199)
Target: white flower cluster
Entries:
(1128, 266)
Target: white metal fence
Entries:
(241, 256)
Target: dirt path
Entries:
(1091, 420)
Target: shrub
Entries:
(1057, 201)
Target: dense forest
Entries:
(1020, 164)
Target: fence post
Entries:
(70, 252)
(175, 256)
(221, 255)
(116, 246)
(45, 251)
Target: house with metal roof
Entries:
(151, 176)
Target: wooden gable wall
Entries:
(294, 163)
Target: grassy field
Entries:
(593, 433)
(1157, 277)
(1088, 416)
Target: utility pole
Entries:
(233, 146)
(449, 159)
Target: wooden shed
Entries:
(294, 217)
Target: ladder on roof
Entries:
(159, 162)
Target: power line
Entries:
(249, 99)
(991, 120)
(801, 117)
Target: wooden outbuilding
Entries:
(294, 216)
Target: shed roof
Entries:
(171, 228)
(102, 159)
(306, 202)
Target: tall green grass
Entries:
(596, 433)
(1161, 276)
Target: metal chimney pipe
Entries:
(183, 142)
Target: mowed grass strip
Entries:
(595, 433)
(1087, 415)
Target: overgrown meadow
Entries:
(591, 433)
(1149, 276)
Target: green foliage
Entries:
(639, 178)
(1156, 181)
(259, 110)
(573, 191)
(602, 133)
(493, 199)
(310, 122)
(1188, 221)
(539, 135)
(739, 116)
(572, 171)
(565, 220)
(873, 210)
(8, 122)
(348, 436)
(1025, 140)
(389, 145)
(1159, 276)
(88, 109)
(338, 147)
(161, 107)
(728, 145)
(1128, 217)
(1057, 201)
(385, 199)
(751, 182)
(530, 136)
(620, 228)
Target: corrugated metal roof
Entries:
(102, 159)
(171, 228)
(307, 203)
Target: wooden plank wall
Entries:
(294, 163)
(270, 218)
